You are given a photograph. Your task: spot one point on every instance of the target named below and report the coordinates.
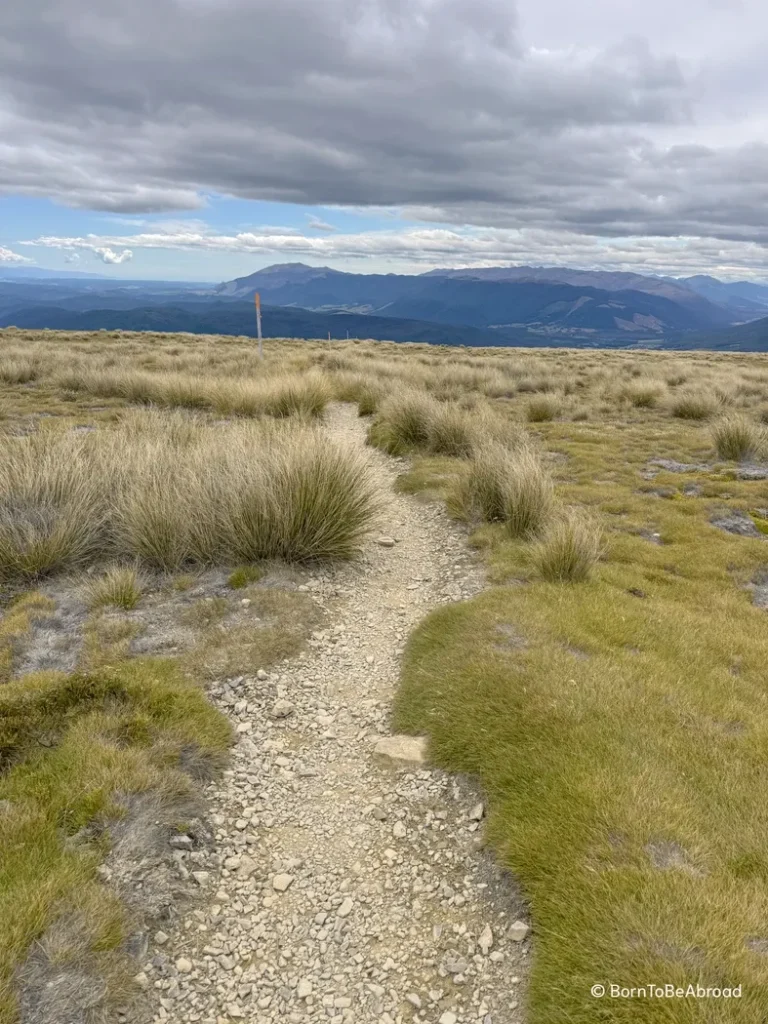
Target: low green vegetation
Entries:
(615, 711)
(73, 749)
(243, 575)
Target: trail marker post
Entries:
(258, 323)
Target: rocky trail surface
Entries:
(346, 885)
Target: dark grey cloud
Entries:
(443, 108)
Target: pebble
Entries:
(282, 709)
(281, 882)
(346, 908)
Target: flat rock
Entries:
(672, 466)
(281, 882)
(739, 524)
(403, 748)
(385, 542)
(346, 908)
(518, 931)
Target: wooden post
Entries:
(258, 323)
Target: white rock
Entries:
(486, 939)
(247, 867)
(281, 882)
(399, 830)
(346, 908)
(385, 542)
(403, 748)
(161, 938)
(183, 966)
(477, 812)
(282, 709)
(518, 931)
(304, 988)
(448, 1018)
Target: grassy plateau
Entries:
(608, 688)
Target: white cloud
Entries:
(8, 256)
(108, 256)
(426, 248)
(315, 224)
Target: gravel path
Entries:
(345, 885)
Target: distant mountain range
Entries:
(485, 306)
(573, 305)
(237, 318)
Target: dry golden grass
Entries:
(169, 492)
(630, 719)
(737, 438)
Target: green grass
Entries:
(627, 730)
(243, 575)
(68, 746)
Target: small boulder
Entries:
(518, 931)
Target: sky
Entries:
(204, 139)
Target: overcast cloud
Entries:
(639, 120)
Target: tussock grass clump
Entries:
(737, 438)
(244, 575)
(643, 395)
(542, 409)
(450, 431)
(403, 422)
(694, 405)
(511, 487)
(52, 505)
(368, 400)
(569, 549)
(415, 422)
(18, 369)
(194, 494)
(303, 396)
(120, 586)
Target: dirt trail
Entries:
(346, 887)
